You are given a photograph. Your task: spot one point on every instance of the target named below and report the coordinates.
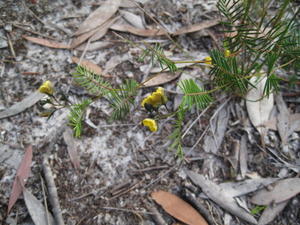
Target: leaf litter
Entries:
(178, 208)
(20, 178)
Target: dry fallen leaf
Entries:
(71, 146)
(283, 123)
(236, 189)
(133, 19)
(88, 65)
(220, 196)
(259, 108)
(293, 119)
(102, 30)
(99, 16)
(281, 191)
(196, 27)
(36, 210)
(94, 46)
(178, 208)
(21, 178)
(137, 31)
(47, 43)
(271, 212)
(21, 106)
(161, 78)
(123, 27)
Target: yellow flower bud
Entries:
(46, 88)
(208, 60)
(151, 124)
(227, 53)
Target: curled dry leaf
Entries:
(281, 191)
(178, 208)
(259, 107)
(21, 177)
(47, 43)
(99, 16)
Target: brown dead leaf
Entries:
(102, 30)
(94, 46)
(21, 177)
(89, 66)
(47, 43)
(99, 16)
(140, 32)
(281, 191)
(196, 27)
(178, 208)
(123, 27)
(82, 38)
(160, 78)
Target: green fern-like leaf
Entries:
(193, 94)
(91, 81)
(177, 132)
(76, 116)
(122, 99)
(272, 85)
(157, 55)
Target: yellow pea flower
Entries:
(156, 99)
(227, 53)
(208, 60)
(151, 124)
(46, 88)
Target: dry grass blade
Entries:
(21, 177)
(282, 191)
(47, 43)
(99, 16)
(178, 208)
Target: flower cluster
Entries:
(152, 103)
(156, 99)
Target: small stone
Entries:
(8, 27)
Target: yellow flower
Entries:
(46, 88)
(208, 60)
(227, 53)
(151, 124)
(156, 99)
